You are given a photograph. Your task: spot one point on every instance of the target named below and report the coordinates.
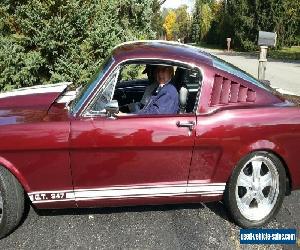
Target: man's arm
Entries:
(148, 93)
(166, 102)
(137, 106)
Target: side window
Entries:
(134, 87)
(193, 82)
(188, 82)
(133, 72)
(105, 95)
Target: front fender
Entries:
(14, 170)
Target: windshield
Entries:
(84, 92)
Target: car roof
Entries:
(160, 49)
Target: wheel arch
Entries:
(231, 196)
(14, 171)
(272, 148)
(287, 171)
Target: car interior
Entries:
(130, 89)
(127, 85)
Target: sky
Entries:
(177, 3)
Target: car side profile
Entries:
(234, 139)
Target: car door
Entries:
(130, 156)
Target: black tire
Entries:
(12, 195)
(230, 195)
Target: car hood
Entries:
(27, 105)
(37, 97)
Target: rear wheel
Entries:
(256, 189)
(11, 202)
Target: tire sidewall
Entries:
(3, 189)
(230, 192)
(13, 202)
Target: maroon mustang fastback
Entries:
(234, 139)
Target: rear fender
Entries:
(228, 164)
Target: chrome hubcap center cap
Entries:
(255, 188)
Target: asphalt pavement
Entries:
(189, 226)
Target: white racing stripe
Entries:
(129, 192)
(120, 192)
(67, 97)
(195, 189)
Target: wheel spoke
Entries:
(266, 180)
(256, 166)
(257, 191)
(261, 199)
(247, 198)
(244, 180)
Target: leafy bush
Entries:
(46, 41)
(243, 19)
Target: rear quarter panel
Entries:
(225, 137)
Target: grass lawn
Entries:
(285, 53)
(207, 46)
(292, 53)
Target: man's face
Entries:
(163, 74)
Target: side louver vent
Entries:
(226, 91)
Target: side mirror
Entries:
(112, 108)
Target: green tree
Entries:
(170, 25)
(243, 17)
(54, 40)
(157, 18)
(247, 17)
(202, 20)
(220, 28)
(183, 22)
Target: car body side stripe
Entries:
(119, 192)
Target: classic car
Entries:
(235, 139)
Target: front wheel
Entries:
(11, 202)
(256, 189)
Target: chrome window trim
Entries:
(93, 113)
(74, 112)
(84, 108)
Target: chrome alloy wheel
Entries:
(1, 207)
(257, 188)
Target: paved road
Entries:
(283, 75)
(198, 226)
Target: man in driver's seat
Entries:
(164, 99)
(150, 71)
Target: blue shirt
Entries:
(166, 101)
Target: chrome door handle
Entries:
(189, 124)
